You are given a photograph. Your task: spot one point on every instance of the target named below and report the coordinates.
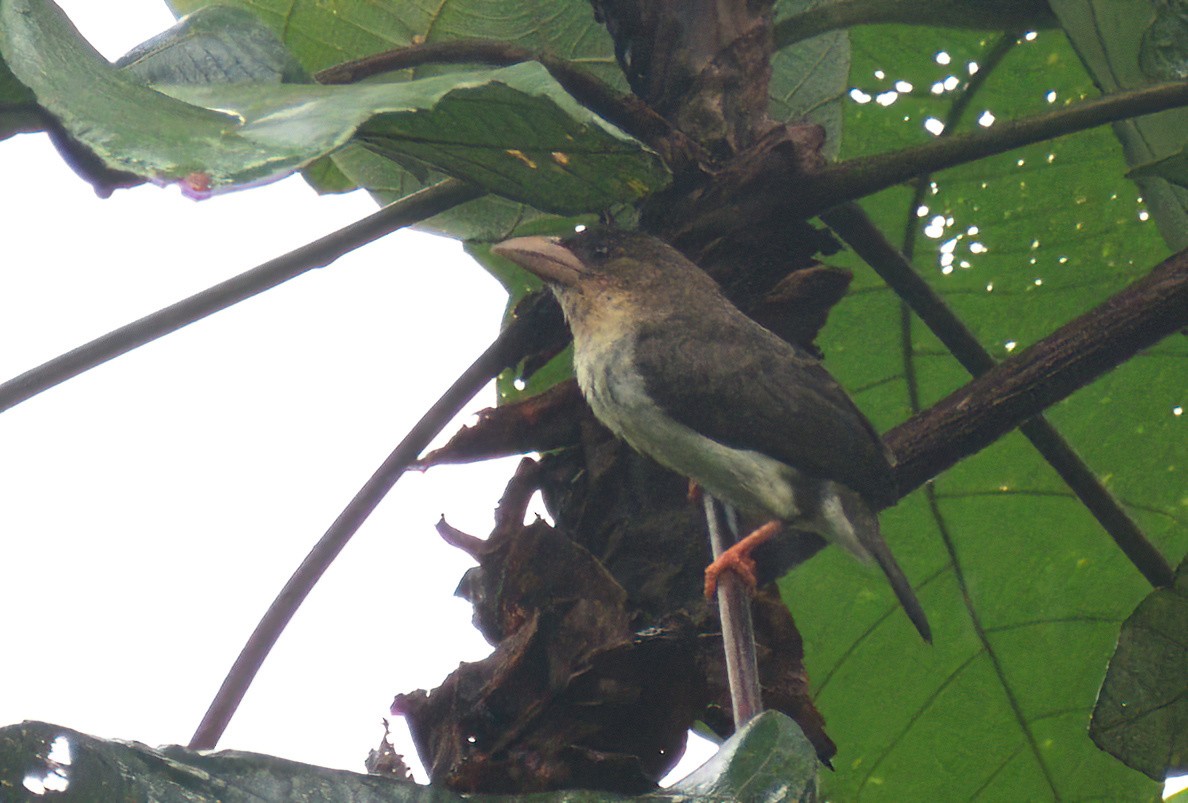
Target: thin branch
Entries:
(738, 629)
(846, 181)
(1017, 389)
(832, 16)
(857, 230)
(623, 110)
(412, 209)
(507, 348)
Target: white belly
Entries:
(746, 479)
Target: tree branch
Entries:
(409, 210)
(623, 110)
(987, 408)
(738, 628)
(857, 230)
(507, 349)
(846, 181)
(976, 14)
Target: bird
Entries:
(671, 366)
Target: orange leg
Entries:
(695, 492)
(738, 559)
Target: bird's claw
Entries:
(738, 560)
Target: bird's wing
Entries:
(744, 387)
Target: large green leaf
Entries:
(1025, 591)
(1142, 713)
(511, 130)
(810, 78)
(323, 34)
(768, 760)
(17, 107)
(1128, 44)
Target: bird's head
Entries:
(599, 269)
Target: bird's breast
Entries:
(612, 384)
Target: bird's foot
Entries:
(738, 559)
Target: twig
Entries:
(507, 348)
(854, 178)
(411, 209)
(738, 630)
(1016, 389)
(623, 110)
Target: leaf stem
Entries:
(505, 350)
(411, 209)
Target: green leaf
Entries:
(1174, 169)
(17, 105)
(1026, 593)
(810, 78)
(485, 220)
(513, 130)
(214, 45)
(324, 34)
(1124, 45)
(768, 759)
(98, 769)
(1142, 713)
(128, 126)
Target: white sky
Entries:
(151, 508)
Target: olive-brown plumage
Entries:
(671, 366)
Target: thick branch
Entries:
(857, 230)
(507, 349)
(978, 414)
(626, 111)
(846, 181)
(412, 209)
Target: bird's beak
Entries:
(545, 257)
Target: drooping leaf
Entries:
(17, 105)
(512, 130)
(1025, 591)
(1142, 713)
(322, 36)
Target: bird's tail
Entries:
(855, 526)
